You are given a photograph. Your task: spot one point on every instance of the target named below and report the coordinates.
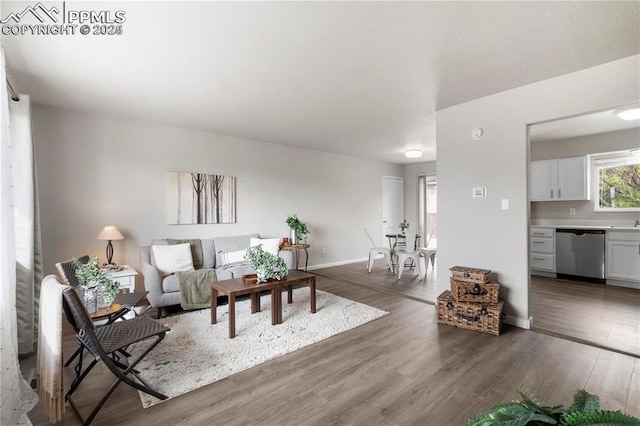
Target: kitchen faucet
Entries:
(637, 223)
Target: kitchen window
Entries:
(617, 181)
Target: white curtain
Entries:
(27, 223)
(17, 397)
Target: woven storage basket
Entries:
(486, 318)
(474, 292)
(470, 275)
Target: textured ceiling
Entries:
(356, 78)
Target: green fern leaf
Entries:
(599, 418)
(480, 420)
(584, 401)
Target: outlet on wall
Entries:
(572, 211)
(324, 250)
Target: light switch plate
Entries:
(572, 211)
(505, 204)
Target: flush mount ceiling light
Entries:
(413, 153)
(629, 113)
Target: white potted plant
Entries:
(299, 229)
(266, 264)
(93, 277)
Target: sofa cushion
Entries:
(226, 244)
(173, 258)
(208, 254)
(170, 283)
(270, 245)
(233, 258)
(238, 271)
(196, 249)
(224, 274)
(156, 243)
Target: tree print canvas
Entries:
(194, 198)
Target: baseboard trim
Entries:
(342, 262)
(519, 322)
(627, 284)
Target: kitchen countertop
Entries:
(602, 227)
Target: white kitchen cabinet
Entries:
(542, 251)
(623, 255)
(560, 179)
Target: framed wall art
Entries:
(200, 198)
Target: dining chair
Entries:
(429, 250)
(375, 250)
(403, 254)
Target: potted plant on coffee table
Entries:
(266, 264)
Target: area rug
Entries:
(196, 353)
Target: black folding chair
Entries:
(104, 343)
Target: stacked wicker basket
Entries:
(473, 301)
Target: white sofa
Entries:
(165, 290)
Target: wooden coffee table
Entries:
(296, 278)
(237, 287)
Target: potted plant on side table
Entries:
(96, 282)
(299, 229)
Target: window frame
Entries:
(596, 162)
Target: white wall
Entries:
(96, 170)
(592, 144)
(411, 173)
(476, 232)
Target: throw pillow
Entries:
(196, 250)
(233, 258)
(170, 259)
(270, 245)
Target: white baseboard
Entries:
(342, 262)
(519, 322)
(620, 283)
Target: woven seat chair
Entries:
(104, 343)
(67, 271)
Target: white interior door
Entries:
(392, 204)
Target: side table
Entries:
(295, 249)
(126, 278)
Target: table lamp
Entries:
(110, 233)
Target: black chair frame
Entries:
(104, 344)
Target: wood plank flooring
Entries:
(403, 369)
(383, 280)
(606, 316)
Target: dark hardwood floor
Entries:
(403, 369)
(602, 315)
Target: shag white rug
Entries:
(196, 353)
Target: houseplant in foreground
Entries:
(92, 276)
(299, 229)
(266, 264)
(583, 411)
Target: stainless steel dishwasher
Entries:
(580, 254)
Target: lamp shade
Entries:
(110, 233)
